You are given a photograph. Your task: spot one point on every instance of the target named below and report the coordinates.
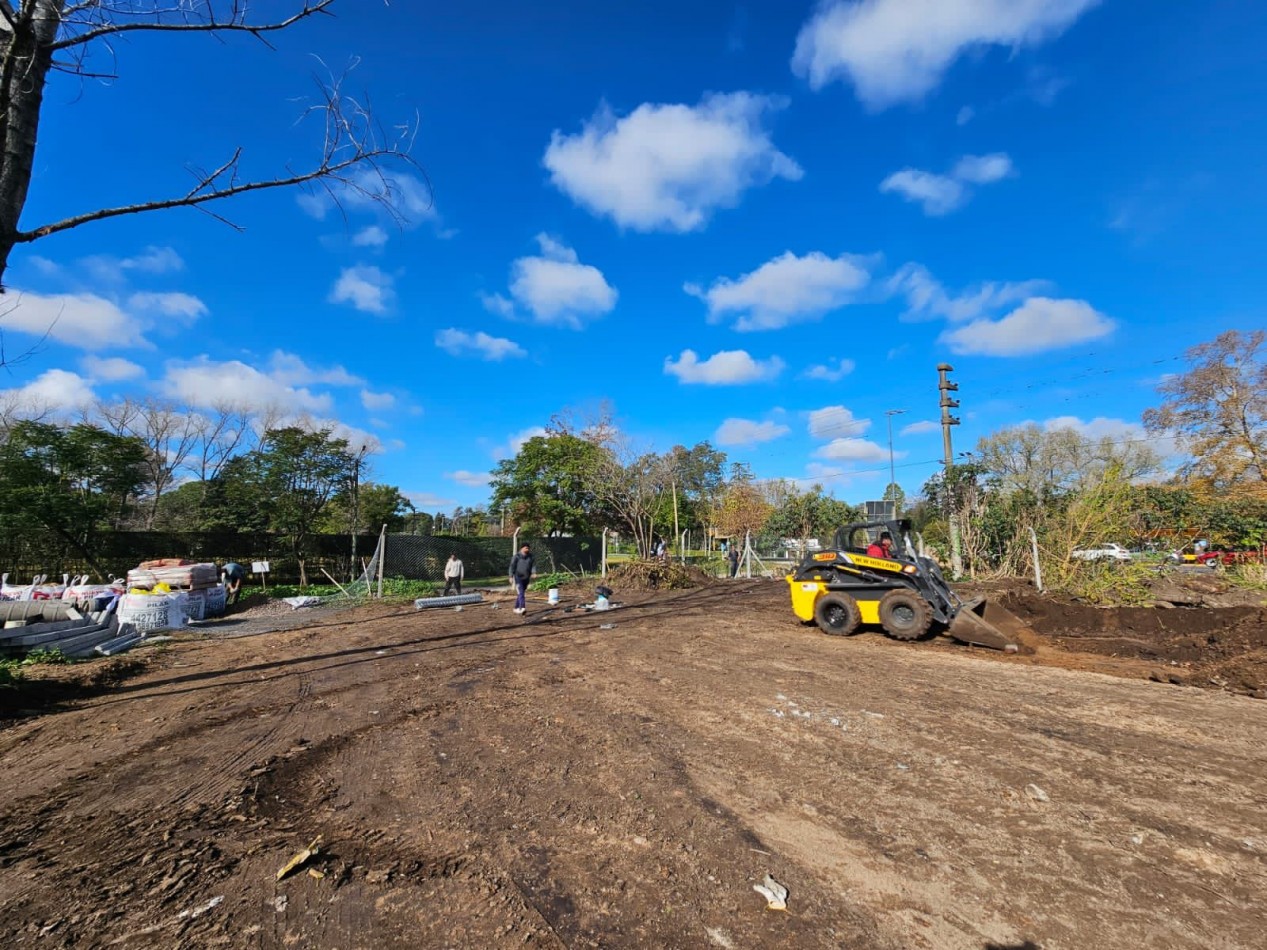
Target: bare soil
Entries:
(479, 779)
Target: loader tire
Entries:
(905, 615)
(837, 615)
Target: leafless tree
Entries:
(17, 406)
(41, 36)
(170, 433)
(221, 431)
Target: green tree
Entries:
(286, 484)
(73, 482)
(1218, 408)
(547, 488)
(375, 504)
(810, 514)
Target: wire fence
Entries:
(422, 557)
(416, 557)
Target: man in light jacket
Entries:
(453, 574)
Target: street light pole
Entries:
(890, 413)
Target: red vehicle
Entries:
(1229, 558)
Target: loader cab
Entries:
(855, 538)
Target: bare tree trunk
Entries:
(26, 56)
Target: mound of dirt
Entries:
(657, 575)
(1219, 646)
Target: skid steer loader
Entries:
(844, 589)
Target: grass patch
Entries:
(1112, 583)
(1251, 575)
(546, 581)
(53, 657)
(393, 587)
(11, 675)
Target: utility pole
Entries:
(947, 420)
(356, 504)
(890, 413)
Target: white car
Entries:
(1105, 552)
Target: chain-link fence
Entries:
(422, 557)
(418, 557)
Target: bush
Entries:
(10, 674)
(546, 581)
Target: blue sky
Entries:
(761, 224)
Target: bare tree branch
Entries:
(353, 154)
(211, 24)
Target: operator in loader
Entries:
(882, 548)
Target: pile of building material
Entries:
(77, 628)
(192, 589)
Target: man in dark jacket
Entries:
(521, 568)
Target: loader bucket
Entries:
(987, 625)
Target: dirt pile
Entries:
(657, 575)
(1225, 647)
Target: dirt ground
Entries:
(477, 779)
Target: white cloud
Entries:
(833, 421)
(941, 194)
(291, 370)
(1101, 427)
(206, 382)
(83, 320)
(965, 115)
(376, 402)
(555, 288)
(469, 479)
(984, 169)
(365, 287)
(785, 290)
(110, 369)
(729, 367)
(373, 236)
(494, 348)
(169, 305)
(833, 371)
(1038, 325)
(938, 194)
(919, 428)
(53, 390)
(1117, 430)
(898, 50)
(428, 501)
(926, 297)
(669, 167)
(496, 303)
(748, 432)
(855, 450)
(516, 442)
(819, 470)
(152, 260)
(368, 191)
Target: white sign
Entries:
(260, 567)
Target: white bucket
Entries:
(553, 595)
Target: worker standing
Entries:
(521, 568)
(453, 574)
(733, 556)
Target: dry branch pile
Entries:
(657, 575)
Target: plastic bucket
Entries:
(553, 595)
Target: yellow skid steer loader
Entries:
(845, 589)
